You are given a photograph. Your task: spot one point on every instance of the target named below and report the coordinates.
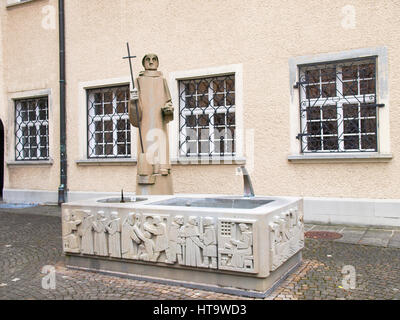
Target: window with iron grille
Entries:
(32, 129)
(109, 134)
(338, 107)
(207, 116)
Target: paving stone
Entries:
(376, 237)
(42, 210)
(394, 241)
(308, 226)
(351, 235)
(327, 228)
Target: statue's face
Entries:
(150, 62)
(193, 221)
(179, 219)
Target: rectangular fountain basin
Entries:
(221, 243)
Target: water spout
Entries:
(247, 185)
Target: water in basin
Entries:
(235, 203)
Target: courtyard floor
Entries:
(30, 239)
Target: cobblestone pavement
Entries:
(28, 242)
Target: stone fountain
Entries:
(242, 245)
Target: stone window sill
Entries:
(208, 161)
(340, 158)
(106, 162)
(30, 163)
(11, 4)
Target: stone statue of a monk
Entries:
(155, 110)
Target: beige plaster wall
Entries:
(261, 35)
(3, 110)
(30, 63)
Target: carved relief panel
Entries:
(236, 245)
(286, 236)
(71, 238)
(161, 238)
(154, 237)
(202, 242)
(199, 242)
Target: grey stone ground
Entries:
(30, 238)
(373, 236)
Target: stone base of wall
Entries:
(352, 211)
(44, 197)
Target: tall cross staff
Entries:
(133, 86)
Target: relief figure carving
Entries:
(86, 233)
(158, 229)
(71, 236)
(209, 238)
(100, 236)
(286, 236)
(235, 246)
(114, 239)
(240, 248)
(175, 241)
(146, 247)
(129, 236)
(193, 244)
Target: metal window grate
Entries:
(207, 116)
(338, 107)
(109, 134)
(32, 129)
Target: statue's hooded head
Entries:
(150, 62)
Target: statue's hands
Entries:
(134, 94)
(168, 109)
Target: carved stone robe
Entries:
(100, 238)
(128, 248)
(131, 238)
(174, 242)
(86, 231)
(114, 238)
(153, 96)
(160, 233)
(192, 246)
(242, 249)
(210, 241)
